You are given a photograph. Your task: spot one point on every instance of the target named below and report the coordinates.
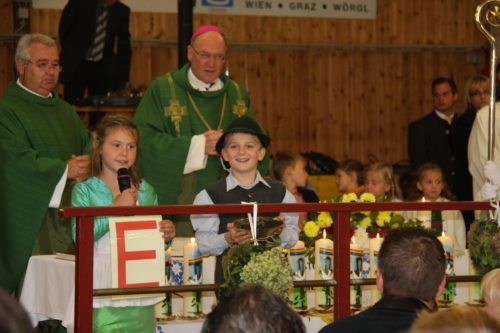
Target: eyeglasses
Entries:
(475, 93)
(45, 65)
(208, 56)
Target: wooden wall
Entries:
(347, 88)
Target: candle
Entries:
(356, 254)
(297, 261)
(424, 216)
(449, 291)
(375, 244)
(192, 275)
(323, 267)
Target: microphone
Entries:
(123, 179)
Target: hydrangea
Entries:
(269, 269)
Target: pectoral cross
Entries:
(176, 111)
(240, 108)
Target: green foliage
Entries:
(484, 245)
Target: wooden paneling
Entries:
(347, 88)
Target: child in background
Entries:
(349, 177)
(430, 185)
(115, 147)
(380, 181)
(290, 169)
(243, 145)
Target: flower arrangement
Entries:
(374, 221)
(484, 245)
(263, 264)
(312, 231)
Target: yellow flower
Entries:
(350, 197)
(324, 219)
(366, 222)
(383, 218)
(311, 229)
(367, 197)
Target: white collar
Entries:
(443, 116)
(232, 182)
(18, 82)
(203, 86)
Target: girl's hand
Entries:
(168, 229)
(126, 198)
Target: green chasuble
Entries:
(37, 137)
(168, 119)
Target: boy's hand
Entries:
(236, 236)
(168, 229)
(126, 198)
(280, 228)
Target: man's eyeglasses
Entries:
(208, 56)
(45, 65)
(475, 93)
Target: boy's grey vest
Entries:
(260, 193)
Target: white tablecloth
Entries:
(49, 290)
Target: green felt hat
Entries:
(243, 125)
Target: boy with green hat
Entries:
(242, 146)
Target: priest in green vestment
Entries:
(182, 115)
(43, 149)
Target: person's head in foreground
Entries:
(13, 317)
(252, 309)
(458, 319)
(412, 264)
(490, 289)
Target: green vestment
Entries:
(164, 147)
(37, 137)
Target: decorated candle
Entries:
(425, 216)
(323, 250)
(449, 292)
(192, 275)
(296, 257)
(356, 254)
(375, 244)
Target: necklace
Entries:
(202, 118)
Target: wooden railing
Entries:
(341, 238)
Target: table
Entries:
(49, 293)
(49, 290)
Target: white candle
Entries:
(323, 267)
(297, 260)
(356, 254)
(424, 216)
(375, 244)
(192, 275)
(448, 294)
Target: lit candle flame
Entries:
(423, 199)
(378, 235)
(353, 240)
(443, 234)
(324, 233)
(192, 240)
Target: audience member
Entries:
(253, 309)
(117, 139)
(243, 145)
(349, 177)
(380, 181)
(490, 289)
(477, 95)
(13, 318)
(431, 138)
(458, 319)
(431, 186)
(290, 169)
(181, 117)
(411, 275)
(42, 147)
(95, 47)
